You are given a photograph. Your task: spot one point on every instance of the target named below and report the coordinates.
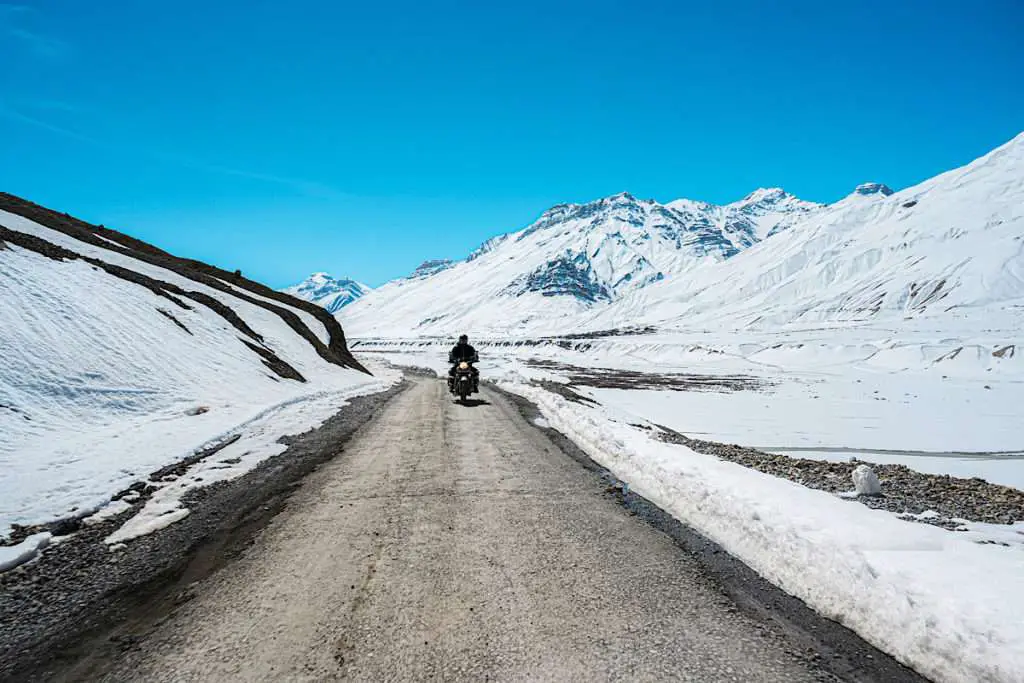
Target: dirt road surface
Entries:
(457, 542)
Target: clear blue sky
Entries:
(288, 137)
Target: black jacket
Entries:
(463, 352)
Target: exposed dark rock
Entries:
(428, 268)
(274, 362)
(167, 314)
(569, 275)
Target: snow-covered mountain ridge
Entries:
(576, 257)
(327, 291)
(945, 246)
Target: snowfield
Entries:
(105, 381)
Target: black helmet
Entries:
(463, 339)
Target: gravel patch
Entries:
(604, 378)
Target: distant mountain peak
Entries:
(327, 291)
(771, 199)
(766, 194)
(767, 259)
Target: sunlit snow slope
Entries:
(949, 248)
(117, 358)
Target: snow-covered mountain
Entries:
(574, 258)
(117, 358)
(329, 292)
(769, 258)
(949, 248)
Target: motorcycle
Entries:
(462, 383)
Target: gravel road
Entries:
(460, 543)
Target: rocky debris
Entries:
(615, 332)
(948, 501)
(566, 392)
(177, 469)
(1005, 352)
(603, 378)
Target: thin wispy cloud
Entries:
(40, 45)
(12, 114)
(46, 104)
(35, 43)
(311, 188)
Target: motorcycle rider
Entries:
(463, 352)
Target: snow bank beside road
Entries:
(259, 440)
(947, 607)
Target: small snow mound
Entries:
(866, 481)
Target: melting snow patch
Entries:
(13, 556)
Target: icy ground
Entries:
(911, 589)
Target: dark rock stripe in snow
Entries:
(158, 287)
